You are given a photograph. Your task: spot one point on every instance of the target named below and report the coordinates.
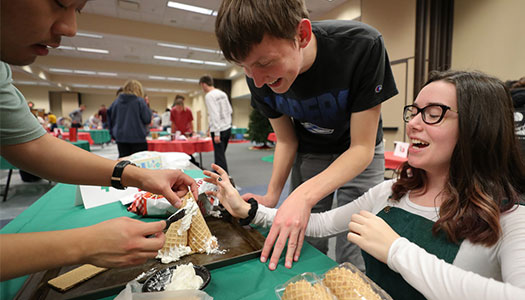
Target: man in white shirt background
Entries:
(219, 117)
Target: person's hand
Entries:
(122, 242)
(372, 234)
(217, 139)
(172, 184)
(265, 200)
(228, 196)
(289, 224)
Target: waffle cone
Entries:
(347, 285)
(200, 237)
(299, 290)
(173, 238)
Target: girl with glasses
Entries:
(452, 224)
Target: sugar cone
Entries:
(199, 236)
(347, 285)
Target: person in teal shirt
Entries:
(28, 29)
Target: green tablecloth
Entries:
(246, 280)
(81, 144)
(5, 165)
(99, 136)
(160, 133)
(239, 130)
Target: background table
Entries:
(392, 162)
(99, 136)
(250, 279)
(83, 136)
(189, 147)
(81, 144)
(272, 137)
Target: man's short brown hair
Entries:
(241, 24)
(207, 79)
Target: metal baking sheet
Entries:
(241, 243)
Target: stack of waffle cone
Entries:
(200, 237)
(303, 290)
(347, 285)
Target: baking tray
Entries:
(241, 243)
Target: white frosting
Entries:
(184, 278)
(173, 254)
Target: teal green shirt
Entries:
(17, 123)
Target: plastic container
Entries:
(362, 286)
(312, 279)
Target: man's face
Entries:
(29, 27)
(275, 62)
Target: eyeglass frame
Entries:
(444, 109)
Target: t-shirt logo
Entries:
(316, 129)
(379, 88)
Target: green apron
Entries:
(418, 230)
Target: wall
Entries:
(396, 21)
(37, 94)
(488, 36)
(241, 112)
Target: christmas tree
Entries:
(258, 128)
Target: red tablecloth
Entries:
(393, 162)
(189, 147)
(271, 137)
(83, 136)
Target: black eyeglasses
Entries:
(431, 114)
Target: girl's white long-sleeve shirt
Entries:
(477, 272)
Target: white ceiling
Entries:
(131, 53)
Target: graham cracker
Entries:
(68, 280)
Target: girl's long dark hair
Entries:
(487, 174)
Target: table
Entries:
(250, 279)
(189, 147)
(392, 162)
(84, 136)
(160, 133)
(81, 144)
(5, 165)
(99, 136)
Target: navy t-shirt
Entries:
(351, 73)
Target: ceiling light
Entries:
(214, 63)
(156, 77)
(191, 80)
(107, 74)
(204, 50)
(27, 69)
(84, 72)
(175, 79)
(192, 8)
(42, 75)
(192, 61)
(90, 35)
(172, 46)
(55, 70)
(93, 50)
(78, 85)
(65, 48)
(165, 58)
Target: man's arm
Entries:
(70, 164)
(284, 155)
(113, 243)
(292, 217)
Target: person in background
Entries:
(76, 116)
(155, 120)
(452, 224)
(27, 29)
(181, 117)
(52, 120)
(165, 121)
(128, 118)
(219, 118)
(321, 84)
(94, 122)
(103, 114)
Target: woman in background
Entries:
(452, 225)
(128, 117)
